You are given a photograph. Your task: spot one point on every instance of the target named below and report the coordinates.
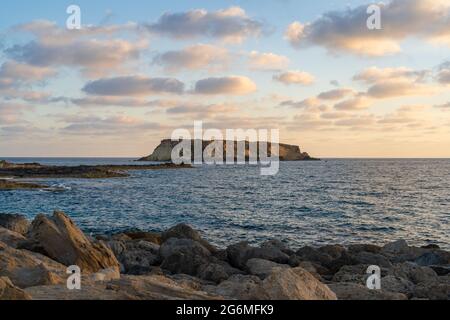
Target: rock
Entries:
(414, 273)
(397, 284)
(14, 222)
(9, 292)
(187, 263)
(240, 287)
(313, 255)
(10, 238)
(25, 269)
(295, 284)
(10, 185)
(240, 253)
(105, 275)
(353, 291)
(127, 288)
(216, 272)
(137, 257)
(431, 246)
(354, 274)
(356, 248)
(441, 270)
(436, 290)
(183, 231)
(262, 268)
(436, 257)
(274, 243)
(146, 236)
(334, 251)
(372, 259)
(344, 260)
(396, 247)
(60, 239)
(178, 245)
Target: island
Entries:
(287, 152)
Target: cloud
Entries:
(58, 47)
(11, 113)
(14, 72)
(346, 31)
(114, 101)
(396, 82)
(230, 24)
(359, 103)
(200, 111)
(295, 77)
(309, 103)
(445, 106)
(233, 85)
(336, 94)
(267, 61)
(195, 57)
(133, 86)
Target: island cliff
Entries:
(286, 152)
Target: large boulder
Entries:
(14, 222)
(26, 269)
(353, 291)
(10, 292)
(295, 284)
(183, 256)
(396, 284)
(314, 255)
(414, 273)
(275, 243)
(11, 238)
(183, 231)
(436, 290)
(216, 271)
(370, 258)
(239, 287)
(238, 254)
(136, 257)
(435, 257)
(60, 239)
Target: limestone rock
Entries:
(10, 238)
(183, 231)
(240, 287)
(295, 284)
(9, 292)
(262, 268)
(240, 253)
(60, 239)
(414, 273)
(25, 269)
(353, 291)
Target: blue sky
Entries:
(391, 84)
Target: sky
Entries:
(137, 70)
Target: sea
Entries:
(333, 201)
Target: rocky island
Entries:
(179, 263)
(287, 152)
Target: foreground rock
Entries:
(180, 264)
(60, 239)
(9, 292)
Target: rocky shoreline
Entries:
(39, 171)
(180, 264)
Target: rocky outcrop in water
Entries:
(163, 152)
(180, 264)
(35, 170)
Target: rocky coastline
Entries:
(9, 172)
(180, 264)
